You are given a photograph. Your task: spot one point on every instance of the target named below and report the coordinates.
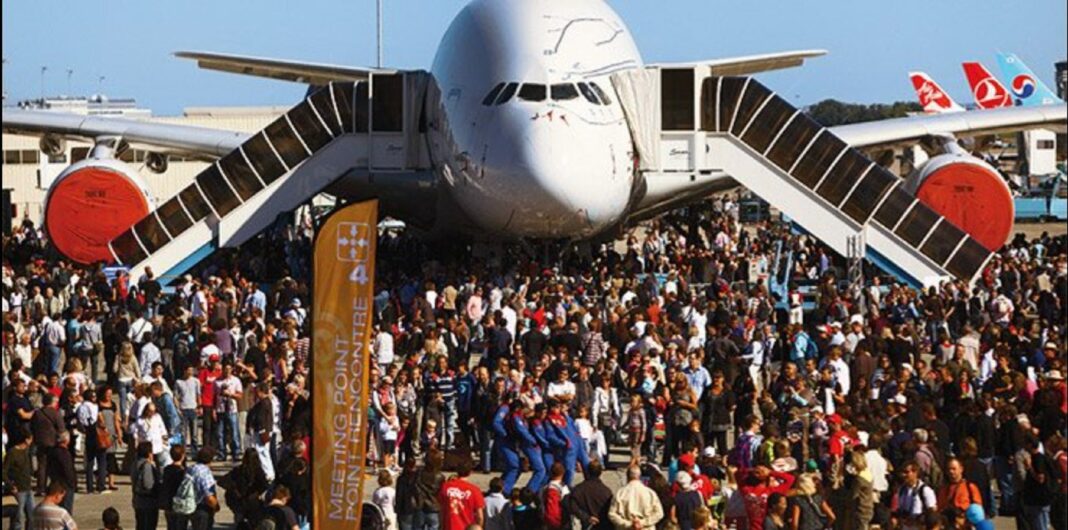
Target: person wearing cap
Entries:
(296, 312)
(687, 501)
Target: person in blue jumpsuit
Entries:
(529, 444)
(507, 444)
(546, 436)
(573, 447)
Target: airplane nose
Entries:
(569, 180)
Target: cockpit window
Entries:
(563, 92)
(601, 94)
(492, 96)
(507, 93)
(588, 93)
(532, 92)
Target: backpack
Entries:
(934, 476)
(185, 499)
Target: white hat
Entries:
(709, 452)
(1054, 375)
(684, 480)
(900, 399)
(856, 319)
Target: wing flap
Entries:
(750, 64)
(971, 123)
(295, 71)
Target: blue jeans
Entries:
(228, 422)
(425, 520)
(52, 354)
(1037, 516)
(405, 521)
(23, 519)
(1003, 473)
(125, 387)
(189, 427)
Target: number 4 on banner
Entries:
(359, 275)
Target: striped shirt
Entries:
(444, 384)
(47, 516)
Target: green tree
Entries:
(831, 112)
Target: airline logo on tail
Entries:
(932, 98)
(988, 92)
(1026, 87)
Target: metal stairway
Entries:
(274, 171)
(831, 189)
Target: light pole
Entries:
(378, 5)
(43, 70)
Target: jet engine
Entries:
(91, 202)
(969, 193)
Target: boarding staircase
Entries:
(736, 130)
(238, 196)
(831, 189)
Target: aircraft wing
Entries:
(184, 139)
(971, 123)
(750, 64)
(296, 71)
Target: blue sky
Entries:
(872, 44)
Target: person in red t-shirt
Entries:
(756, 484)
(208, 375)
(461, 502)
(839, 439)
(701, 483)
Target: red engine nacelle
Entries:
(970, 194)
(91, 202)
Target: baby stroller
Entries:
(372, 517)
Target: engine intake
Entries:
(970, 194)
(91, 202)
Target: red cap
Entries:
(213, 357)
(834, 418)
(686, 460)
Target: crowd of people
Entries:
(732, 387)
(156, 382)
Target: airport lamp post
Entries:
(43, 70)
(378, 18)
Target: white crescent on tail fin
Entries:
(933, 99)
(988, 92)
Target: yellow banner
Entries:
(341, 349)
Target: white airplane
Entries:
(539, 123)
